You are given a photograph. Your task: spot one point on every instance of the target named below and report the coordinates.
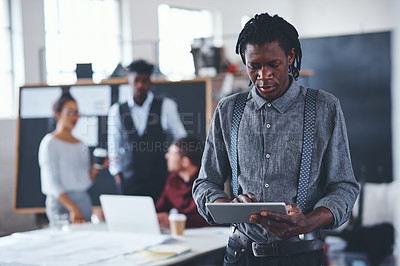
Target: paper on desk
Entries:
(172, 249)
(150, 255)
(74, 247)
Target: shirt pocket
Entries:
(292, 158)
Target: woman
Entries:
(66, 173)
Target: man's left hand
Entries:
(283, 225)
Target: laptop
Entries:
(134, 214)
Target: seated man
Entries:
(183, 160)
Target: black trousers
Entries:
(236, 254)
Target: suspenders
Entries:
(308, 140)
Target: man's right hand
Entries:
(248, 197)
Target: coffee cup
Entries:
(99, 156)
(177, 223)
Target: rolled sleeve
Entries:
(113, 139)
(341, 189)
(49, 170)
(170, 119)
(215, 169)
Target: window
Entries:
(177, 29)
(7, 91)
(81, 31)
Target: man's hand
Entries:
(163, 219)
(248, 197)
(118, 178)
(293, 223)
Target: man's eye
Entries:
(253, 67)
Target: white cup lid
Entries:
(177, 217)
(99, 152)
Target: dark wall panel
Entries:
(357, 70)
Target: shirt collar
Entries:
(148, 101)
(282, 103)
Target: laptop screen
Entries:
(134, 214)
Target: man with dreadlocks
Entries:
(280, 142)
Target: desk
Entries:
(90, 244)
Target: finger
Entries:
(244, 198)
(252, 197)
(279, 217)
(293, 208)
(256, 218)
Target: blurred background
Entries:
(350, 48)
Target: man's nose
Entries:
(264, 73)
(139, 85)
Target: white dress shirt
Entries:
(170, 122)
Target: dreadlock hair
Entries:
(60, 102)
(266, 29)
(190, 147)
(141, 66)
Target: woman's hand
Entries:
(76, 217)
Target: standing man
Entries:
(137, 135)
(183, 160)
(269, 154)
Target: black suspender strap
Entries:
(308, 141)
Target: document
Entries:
(52, 247)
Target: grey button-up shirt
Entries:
(269, 147)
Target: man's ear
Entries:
(291, 56)
(185, 161)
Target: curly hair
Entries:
(60, 102)
(266, 29)
(141, 66)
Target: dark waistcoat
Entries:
(144, 168)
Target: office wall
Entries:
(396, 117)
(9, 221)
(32, 13)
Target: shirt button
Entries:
(268, 125)
(267, 185)
(269, 104)
(268, 156)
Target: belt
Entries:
(294, 245)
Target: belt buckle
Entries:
(259, 249)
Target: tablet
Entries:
(227, 212)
